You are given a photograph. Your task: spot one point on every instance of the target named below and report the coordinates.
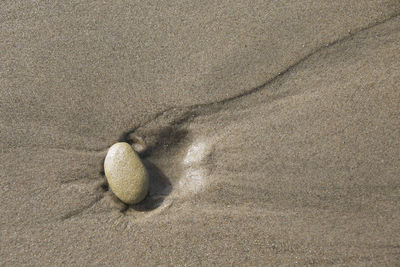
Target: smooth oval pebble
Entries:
(126, 174)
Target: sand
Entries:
(272, 132)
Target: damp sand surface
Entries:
(270, 131)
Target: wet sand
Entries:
(272, 132)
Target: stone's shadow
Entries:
(159, 188)
(166, 138)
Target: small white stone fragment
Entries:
(126, 174)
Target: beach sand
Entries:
(272, 132)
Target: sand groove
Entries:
(183, 114)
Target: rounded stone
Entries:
(126, 174)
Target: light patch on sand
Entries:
(196, 152)
(193, 179)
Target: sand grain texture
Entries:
(272, 132)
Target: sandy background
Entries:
(272, 131)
